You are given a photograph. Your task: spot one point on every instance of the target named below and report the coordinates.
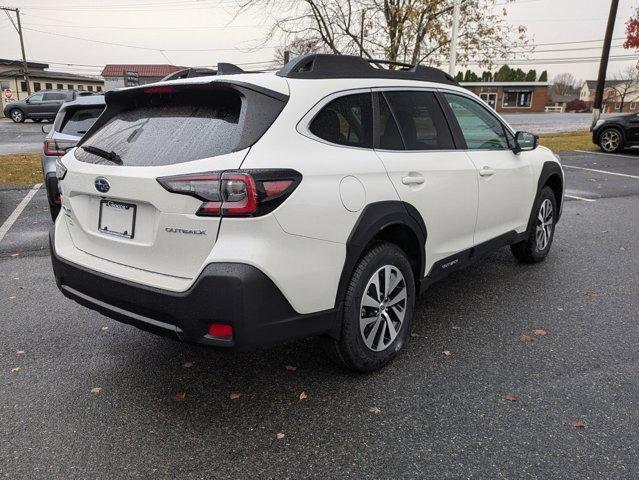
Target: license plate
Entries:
(117, 218)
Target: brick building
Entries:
(512, 97)
(114, 75)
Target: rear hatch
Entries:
(116, 209)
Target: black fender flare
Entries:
(374, 218)
(548, 170)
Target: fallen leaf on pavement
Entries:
(578, 424)
(590, 293)
(96, 390)
(510, 397)
(234, 395)
(15, 254)
(303, 396)
(279, 435)
(375, 410)
(178, 397)
(104, 329)
(446, 353)
(456, 328)
(414, 335)
(15, 369)
(540, 332)
(12, 297)
(525, 338)
(291, 368)
(20, 352)
(187, 364)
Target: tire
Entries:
(55, 211)
(36, 120)
(540, 236)
(367, 344)
(611, 140)
(17, 115)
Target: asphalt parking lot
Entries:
(86, 397)
(24, 137)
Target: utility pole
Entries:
(18, 28)
(454, 39)
(287, 56)
(603, 66)
(361, 34)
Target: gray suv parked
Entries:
(39, 106)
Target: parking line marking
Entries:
(602, 171)
(579, 198)
(16, 213)
(607, 154)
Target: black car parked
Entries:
(613, 134)
(42, 105)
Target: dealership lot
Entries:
(428, 415)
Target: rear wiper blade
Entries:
(111, 156)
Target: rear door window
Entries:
(347, 120)
(78, 121)
(421, 121)
(149, 129)
(54, 97)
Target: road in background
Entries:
(550, 122)
(24, 137)
(427, 415)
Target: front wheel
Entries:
(378, 310)
(16, 115)
(535, 248)
(610, 140)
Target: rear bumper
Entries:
(230, 293)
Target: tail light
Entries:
(246, 193)
(53, 148)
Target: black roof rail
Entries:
(190, 73)
(316, 66)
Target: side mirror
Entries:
(525, 142)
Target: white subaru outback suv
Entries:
(245, 209)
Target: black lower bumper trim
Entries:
(230, 293)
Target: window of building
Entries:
(480, 128)
(23, 86)
(347, 120)
(633, 105)
(98, 88)
(60, 86)
(48, 86)
(421, 122)
(80, 87)
(37, 87)
(69, 87)
(517, 99)
(90, 88)
(617, 106)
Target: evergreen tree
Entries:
(531, 76)
(544, 76)
(504, 74)
(459, 77)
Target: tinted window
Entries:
(77, 122)
(347, 120)
(52, 97)
(389, 136)
(421, 121)
(191, 124)
(35, 98)
(481, 130)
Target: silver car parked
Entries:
(71, 123)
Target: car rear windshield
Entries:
(172, 126)
(78, 121)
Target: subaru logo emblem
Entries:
(102, 185)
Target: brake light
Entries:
(235, 193)
(53, 148)
(221, 330)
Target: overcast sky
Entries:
(203, 32)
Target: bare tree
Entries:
(412, 31)
(626, 86)
(565, 84)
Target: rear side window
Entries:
(52, 96)
(347, 120)
(145, 128)
(78, 121)
(421, 122)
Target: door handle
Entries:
(413, 180)
(486, 172)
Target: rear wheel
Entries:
(536, 247)
(378, 309)
(17, 115)
(610, 140)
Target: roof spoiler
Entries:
(316, 66)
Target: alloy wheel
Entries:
(544, 225)
(16, 116)
(383, 308)
(610, 140)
